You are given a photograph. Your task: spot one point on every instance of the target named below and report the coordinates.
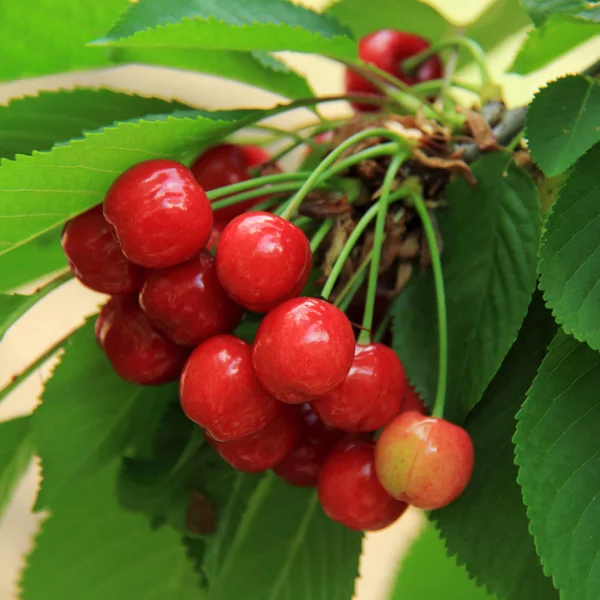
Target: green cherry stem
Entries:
(256, 193)
(438, 277)
(383, 326)
(351, 288)
(227, 190)
(386, 188)
(320, 235)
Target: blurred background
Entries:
(64, 309)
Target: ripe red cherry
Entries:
(265, 448)
(188, 303)
(95, 256)
(349, 490)
(303, 349)
(412, 401)
(227, 164)
(262, 260)
(220, 391)
(302, 465)
(387, 49)
(160, 214)
(423, 460)
(138, 351)
(215, 235)
(370, 396)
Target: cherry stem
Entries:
(351, 288)
(320, 235)
(290, 133)
(383, 326)
(386, 188)
(435, 85)
(438, 277)
(242, 186)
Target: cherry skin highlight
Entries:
(265, 448)
(220, 391)
(302, 465)
(424, 461)
(303, 349)
(138, 352)
(370, 396)
(188, 303)
(387, 49)
(95, 257)
(349, 490)
(161, 216)
(262, 260)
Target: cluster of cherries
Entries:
(304, 399)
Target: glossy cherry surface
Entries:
(96, 258)
(138, 351)
(370, 396)
(188, 303)
(227, 164)
(263, 260)
(412, 401)
(349, 490)
(265, 448)
(220, 391)
(424, 461)
(387, 49)
(160, 214)
(302, 465)
(303, 349)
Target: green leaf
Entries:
(428, 572)
(268, 74)
(88, 416)
(501, 557)
(569, 259)
(16, 452)
(540, 11)
(558, 453)
(52, 38)
(40, 192)
(563, 122)
(557, 36)
(286, 547)
(91, 549)
(230, 25)
(490, 234)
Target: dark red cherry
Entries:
(387, 49)
(370, 396)
(265, 448)
(302, 465)
(220, 391)
(160, 214)
(188, 303)
(215, 235)
(412, 401)
(349, 490)
(263, 260)
(95, 256)
(224, 165)
(138, 351)
(303, 349)
(423, 460)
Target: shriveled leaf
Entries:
(558, 453)
(91, 549)
(476, 526)
(490, 234)
(569, 260)
(582, 9)
(557, 36)
(88, 416)
(16, 452)
(244, 25)
(286, 547)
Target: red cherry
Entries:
(412, 401)
(262, 260)
(387, 49)
(220, 391)
(215, 235)
(265, 448)
(188, 303)
(302, 465)
(161, 216)
(349, 490)
(424, 461)
(95, 256)
(138, 352)
(302, 349)
(227, 164)
(370, 396)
